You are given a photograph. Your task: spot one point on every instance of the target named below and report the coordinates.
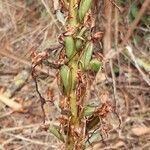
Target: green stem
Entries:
(73, 13)
(73, 63)
(72, 22)
(73, 99)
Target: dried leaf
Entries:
(50, 94)
(98, 35)
(89, 20)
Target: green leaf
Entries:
(89, 109)
(116, 69)
(144, 63)
(55, 131)
(94, 138)
(95, 65)
(134, 11)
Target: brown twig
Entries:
(145, 77)
(108, 16)
(10, 73)
(135, 23)
(38, 125)
(42, 99)
(23, 61)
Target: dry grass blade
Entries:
(11, 103)
(49, 11)
(38, 125)
(29, 140)
(146, 78)
(139, 131)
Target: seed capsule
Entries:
(86, 57)
(83, 8)
(70, 46)
(65, 75)
(80, 39)
(78, 44)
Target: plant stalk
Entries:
(74, 122)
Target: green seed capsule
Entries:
(78, 44)
(83, 8)
(80, 38)
(65, 75)
(70, 46)
(95, 65)
(86, 57)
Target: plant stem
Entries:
(72, 13)
(73, 63)
(73, 102)
(74, 122)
